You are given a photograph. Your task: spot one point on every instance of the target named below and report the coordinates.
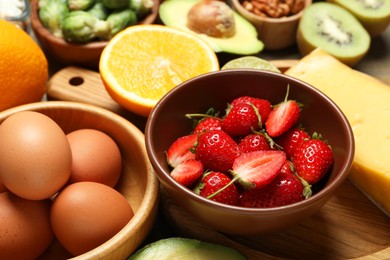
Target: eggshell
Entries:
(96, 157)
(25, 230)
(2, 187)
(35, 155)
(84, 215)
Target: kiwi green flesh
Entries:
(369, 9)
(185, 248)
(373, 14)
(333, 29)
(173, 13)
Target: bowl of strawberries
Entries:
(247, 151)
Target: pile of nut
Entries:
(273, 8)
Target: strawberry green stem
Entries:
(191, 116)
(223, 188)
(287, 93)
(307, 192)
(260, 124)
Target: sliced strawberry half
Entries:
(257, 169)
(285, 189)
(282, 117)
(188, 172)
(180, 150)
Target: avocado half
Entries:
(186, 249)
(173, 13)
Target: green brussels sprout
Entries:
(141, 7)
(82, 27)
(99, 11)
(42, 3)
(51, 14)
(75, 5)
(118, 20)
(115, 4)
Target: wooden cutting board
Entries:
(349, 226)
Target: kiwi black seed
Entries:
(335, 30)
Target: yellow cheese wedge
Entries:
(366, 103)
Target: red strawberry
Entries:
(292, 139)
(262, 105)
(240, 119)
(216, 150)
(253, 142)
(313, 159)
(285, 189)
(257, 169)
(180, 150)
(207, 124)
(218, 187)
(187, 173)
(282, 117)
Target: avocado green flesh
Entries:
(369, 9)
(173, 13)
(334, 29)
(177, 248)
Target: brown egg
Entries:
(2, 187)
(96, 157)
(35, 155)
(25, 230)
(84, 215)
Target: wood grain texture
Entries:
(85, 86)
(349, 226)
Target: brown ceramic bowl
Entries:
(167, 122)
(86, 55)
(276, 33)
(138, 182)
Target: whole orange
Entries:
(23, 67)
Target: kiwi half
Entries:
(373, 14)
(335, 30)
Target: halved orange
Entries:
(143, 62)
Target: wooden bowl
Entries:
(80, 54)
(276, 33)
(167, 122)
(137, 183)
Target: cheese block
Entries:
(365, 101)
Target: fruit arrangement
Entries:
(255, 154)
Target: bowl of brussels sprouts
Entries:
(74, 32)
